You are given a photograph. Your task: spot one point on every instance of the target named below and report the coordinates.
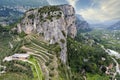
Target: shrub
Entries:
(63, 33)
(57, 49)
(32, 16)
(62, 40)
(51, 74)
(47, 63)
(22, 34)
(1, 68)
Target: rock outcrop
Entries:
(53, 22)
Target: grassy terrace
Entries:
(36, 69)
(42, 57)
(38, 48)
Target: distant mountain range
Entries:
(12, 10)
(8, 15)
(115, 26)
(105, 24)
(81, 24)
(23, 3)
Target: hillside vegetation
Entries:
(44, 62)
(85, 58)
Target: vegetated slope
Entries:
(85, 50)
(5, 50)
(85, 57)
(44, 62)
(5, 38)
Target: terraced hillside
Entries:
(40, 53)
(43, 63)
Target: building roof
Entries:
(7, 58)
(20, 55)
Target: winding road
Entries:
(117, 55)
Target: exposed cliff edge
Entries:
(53, 22)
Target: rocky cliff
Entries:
(53, 22)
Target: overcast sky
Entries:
(94, 10)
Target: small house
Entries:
(20, 56)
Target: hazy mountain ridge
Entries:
(115, 26)
(81, 24)
(12, 10)
(8, 16)
(25, 3)
(104, 24)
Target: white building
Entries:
(22, 56)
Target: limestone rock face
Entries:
(70, 19)
(53, 22)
